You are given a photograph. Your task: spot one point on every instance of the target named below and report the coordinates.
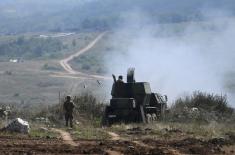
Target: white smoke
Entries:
(176, 58)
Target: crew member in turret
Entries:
(119, 87)
(120, 79)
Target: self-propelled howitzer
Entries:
(133, 102)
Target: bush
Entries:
(52, 67)
(88, 105)
(88, 110)
(201, 106)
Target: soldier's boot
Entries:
(71, 123)
(66, 120)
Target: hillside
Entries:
(19, 16)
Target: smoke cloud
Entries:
(176, 58)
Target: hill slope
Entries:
(28, 15)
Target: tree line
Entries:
(31, 47)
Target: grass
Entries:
(88, 132)
(52, 66)
(93, 61)
(157, 130)
(197, 130)
(30, 82)
(36, 131)
(70, 44)
(41, 133)
(166, 130)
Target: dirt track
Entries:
(117, 145)
(66, 137)
(65, 62)
(26, 145)
(71, 73)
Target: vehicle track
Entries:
(68, 140)
(71, 73)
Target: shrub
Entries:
(53, 67)
(88, 105)
(209, 107)
(88, 109)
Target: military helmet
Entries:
(120, 77)
(68, 97)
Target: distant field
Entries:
(29, 82)
(42, 45)
(94, 61)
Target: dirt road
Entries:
(68, 68)
(113, 135)
(66, 137)
(19, 145)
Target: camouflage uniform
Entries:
(68, 108)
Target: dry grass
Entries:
(31, 84)
(166, 130)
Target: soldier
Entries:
(68, 108)
(120, 87)
(120, 79)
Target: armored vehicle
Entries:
(133, 102)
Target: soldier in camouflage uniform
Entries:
(68, 108)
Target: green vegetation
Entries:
(51, 67)
(88, 111)
(73, 15)
(209, 107)
(94, 61)
(37, 132)
(168, 130)
(88, 132)
(90, 63)
(31, 48)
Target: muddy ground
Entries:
(27, 146)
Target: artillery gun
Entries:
(133, 102)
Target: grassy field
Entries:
(168, 138)
(167, 130)
(94, 61)
(70, 42)
(29, 83)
